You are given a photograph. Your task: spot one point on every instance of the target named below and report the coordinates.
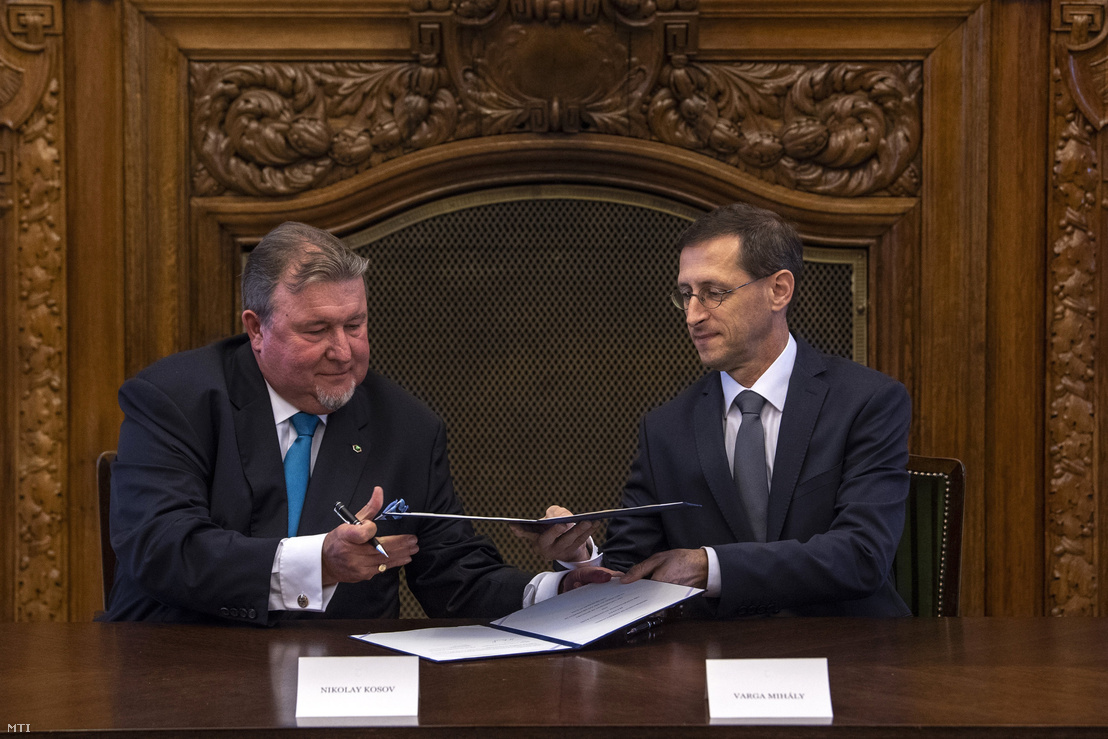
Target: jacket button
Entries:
(252, 613)
(224, 612)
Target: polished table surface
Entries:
(923, 677)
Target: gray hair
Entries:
(769, 242)
(295, 254)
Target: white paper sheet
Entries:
(595, 610)
(448, 643)
(565, 621)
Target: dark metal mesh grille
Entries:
(823, 311)
(541, 331)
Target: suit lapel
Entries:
(708, 425)
(338, 466)
(258, 446)
(802, 407)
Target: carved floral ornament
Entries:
(1080, 95)
(615, 67)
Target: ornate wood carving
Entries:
(1079, 114)
(42, 434)
(617, 67)
(30, 124)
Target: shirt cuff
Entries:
(593, 559)
(714, 585)
(542, 586)
(545, 584)
(296, 579)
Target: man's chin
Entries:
(333, 399)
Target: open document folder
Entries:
(399, 509)
(567, 621)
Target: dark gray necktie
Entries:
(750, 461)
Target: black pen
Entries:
(350, 518)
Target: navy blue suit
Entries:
(199, 504)
(836, 503)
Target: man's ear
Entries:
(782, 284)
(253, 326)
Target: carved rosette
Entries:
(1075, 209)
(614, 67)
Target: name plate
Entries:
(768, 691)
(357, 691)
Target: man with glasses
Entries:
(797, 458)
(233, 457)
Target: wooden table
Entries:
(918, 677)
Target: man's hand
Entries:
(349, 555)
(561, 541)
(687, 567)
(585, 575)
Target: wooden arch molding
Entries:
(225, 229)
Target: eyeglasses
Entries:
(710, 297)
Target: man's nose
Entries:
(696, 311)
(339, 347)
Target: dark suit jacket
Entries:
(199, 505)
(836, 504)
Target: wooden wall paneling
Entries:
(95, 215)
(894, 340)
(32, 222)
(1015, 382)
(940, 334)
(455, 166)
(9, 366)
(465, 166)
(259, 30)
(829, 30)
(1076, 228)
(953, 263)
(158, 277)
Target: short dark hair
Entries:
(768, 242)
(314, 255)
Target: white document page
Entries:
(565, 621)
(448, 643)
(595, 610)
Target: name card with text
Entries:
(768, 691)
(357, 691)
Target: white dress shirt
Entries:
(773, 385)
(296, 578)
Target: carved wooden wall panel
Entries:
(872, 124)
(32, 222)
(1076, 497)
(280, 129)
(831, 134)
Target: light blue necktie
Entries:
(298, 464)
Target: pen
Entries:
(350, 518)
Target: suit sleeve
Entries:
(163, 532)
(457, 573)
(633, 539)
(864, 497)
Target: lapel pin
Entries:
(357, 448)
